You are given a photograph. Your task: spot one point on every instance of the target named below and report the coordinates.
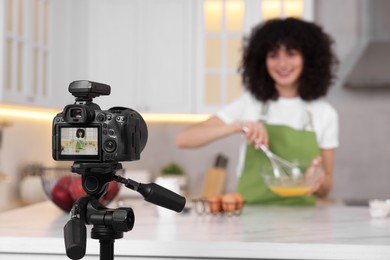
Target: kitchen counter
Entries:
(327, 231)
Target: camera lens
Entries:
(109, 146)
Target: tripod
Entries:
(108, 224)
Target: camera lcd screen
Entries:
(79, 142)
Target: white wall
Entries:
(24, 142)
(362, 167)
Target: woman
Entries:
(80, 139)
(287, 67)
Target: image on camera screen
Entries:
(79, 141)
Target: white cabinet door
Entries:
(166, 53)
(42, 49)
(24, 52)
(113, 49)
(142, 49)
(69, 41)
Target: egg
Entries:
(239, 200)
(228, 203)
(214, 203)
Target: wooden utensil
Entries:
(214, 180)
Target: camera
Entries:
(84, 132)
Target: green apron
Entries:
(80, 144)
(298, 146)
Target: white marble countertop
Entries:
(260, 232)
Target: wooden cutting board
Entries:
(214, 180)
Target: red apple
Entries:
(60, 194)
(76, 189)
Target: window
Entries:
(223, 26)
(281, 8)
(225, 22)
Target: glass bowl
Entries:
(293, 185)
(63, 187)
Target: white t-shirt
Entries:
(292, 112)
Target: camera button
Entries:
(105, 125)
(111, 132)
(104, 132)
(120, 118)
(109, 146)
(101, 117)
(109, 117)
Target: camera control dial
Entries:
(109, 146)
(101, 117)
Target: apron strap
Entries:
(264, 112)
(309, 126)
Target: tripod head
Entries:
(108, 224)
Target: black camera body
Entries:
(84, 132)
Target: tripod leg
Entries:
(106, 249)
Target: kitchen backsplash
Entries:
(24, 142)
(361, 168)
(29, 142)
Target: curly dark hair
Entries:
(308, 38)
(80, 131)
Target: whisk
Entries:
(280, 166)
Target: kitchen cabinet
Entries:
(143, 49)
(326, 231)
(25, 52)
(36, 53)
(70, 44)
(171, 56)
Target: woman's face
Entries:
(285, 67)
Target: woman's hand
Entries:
(255, 133)
(315, 166)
